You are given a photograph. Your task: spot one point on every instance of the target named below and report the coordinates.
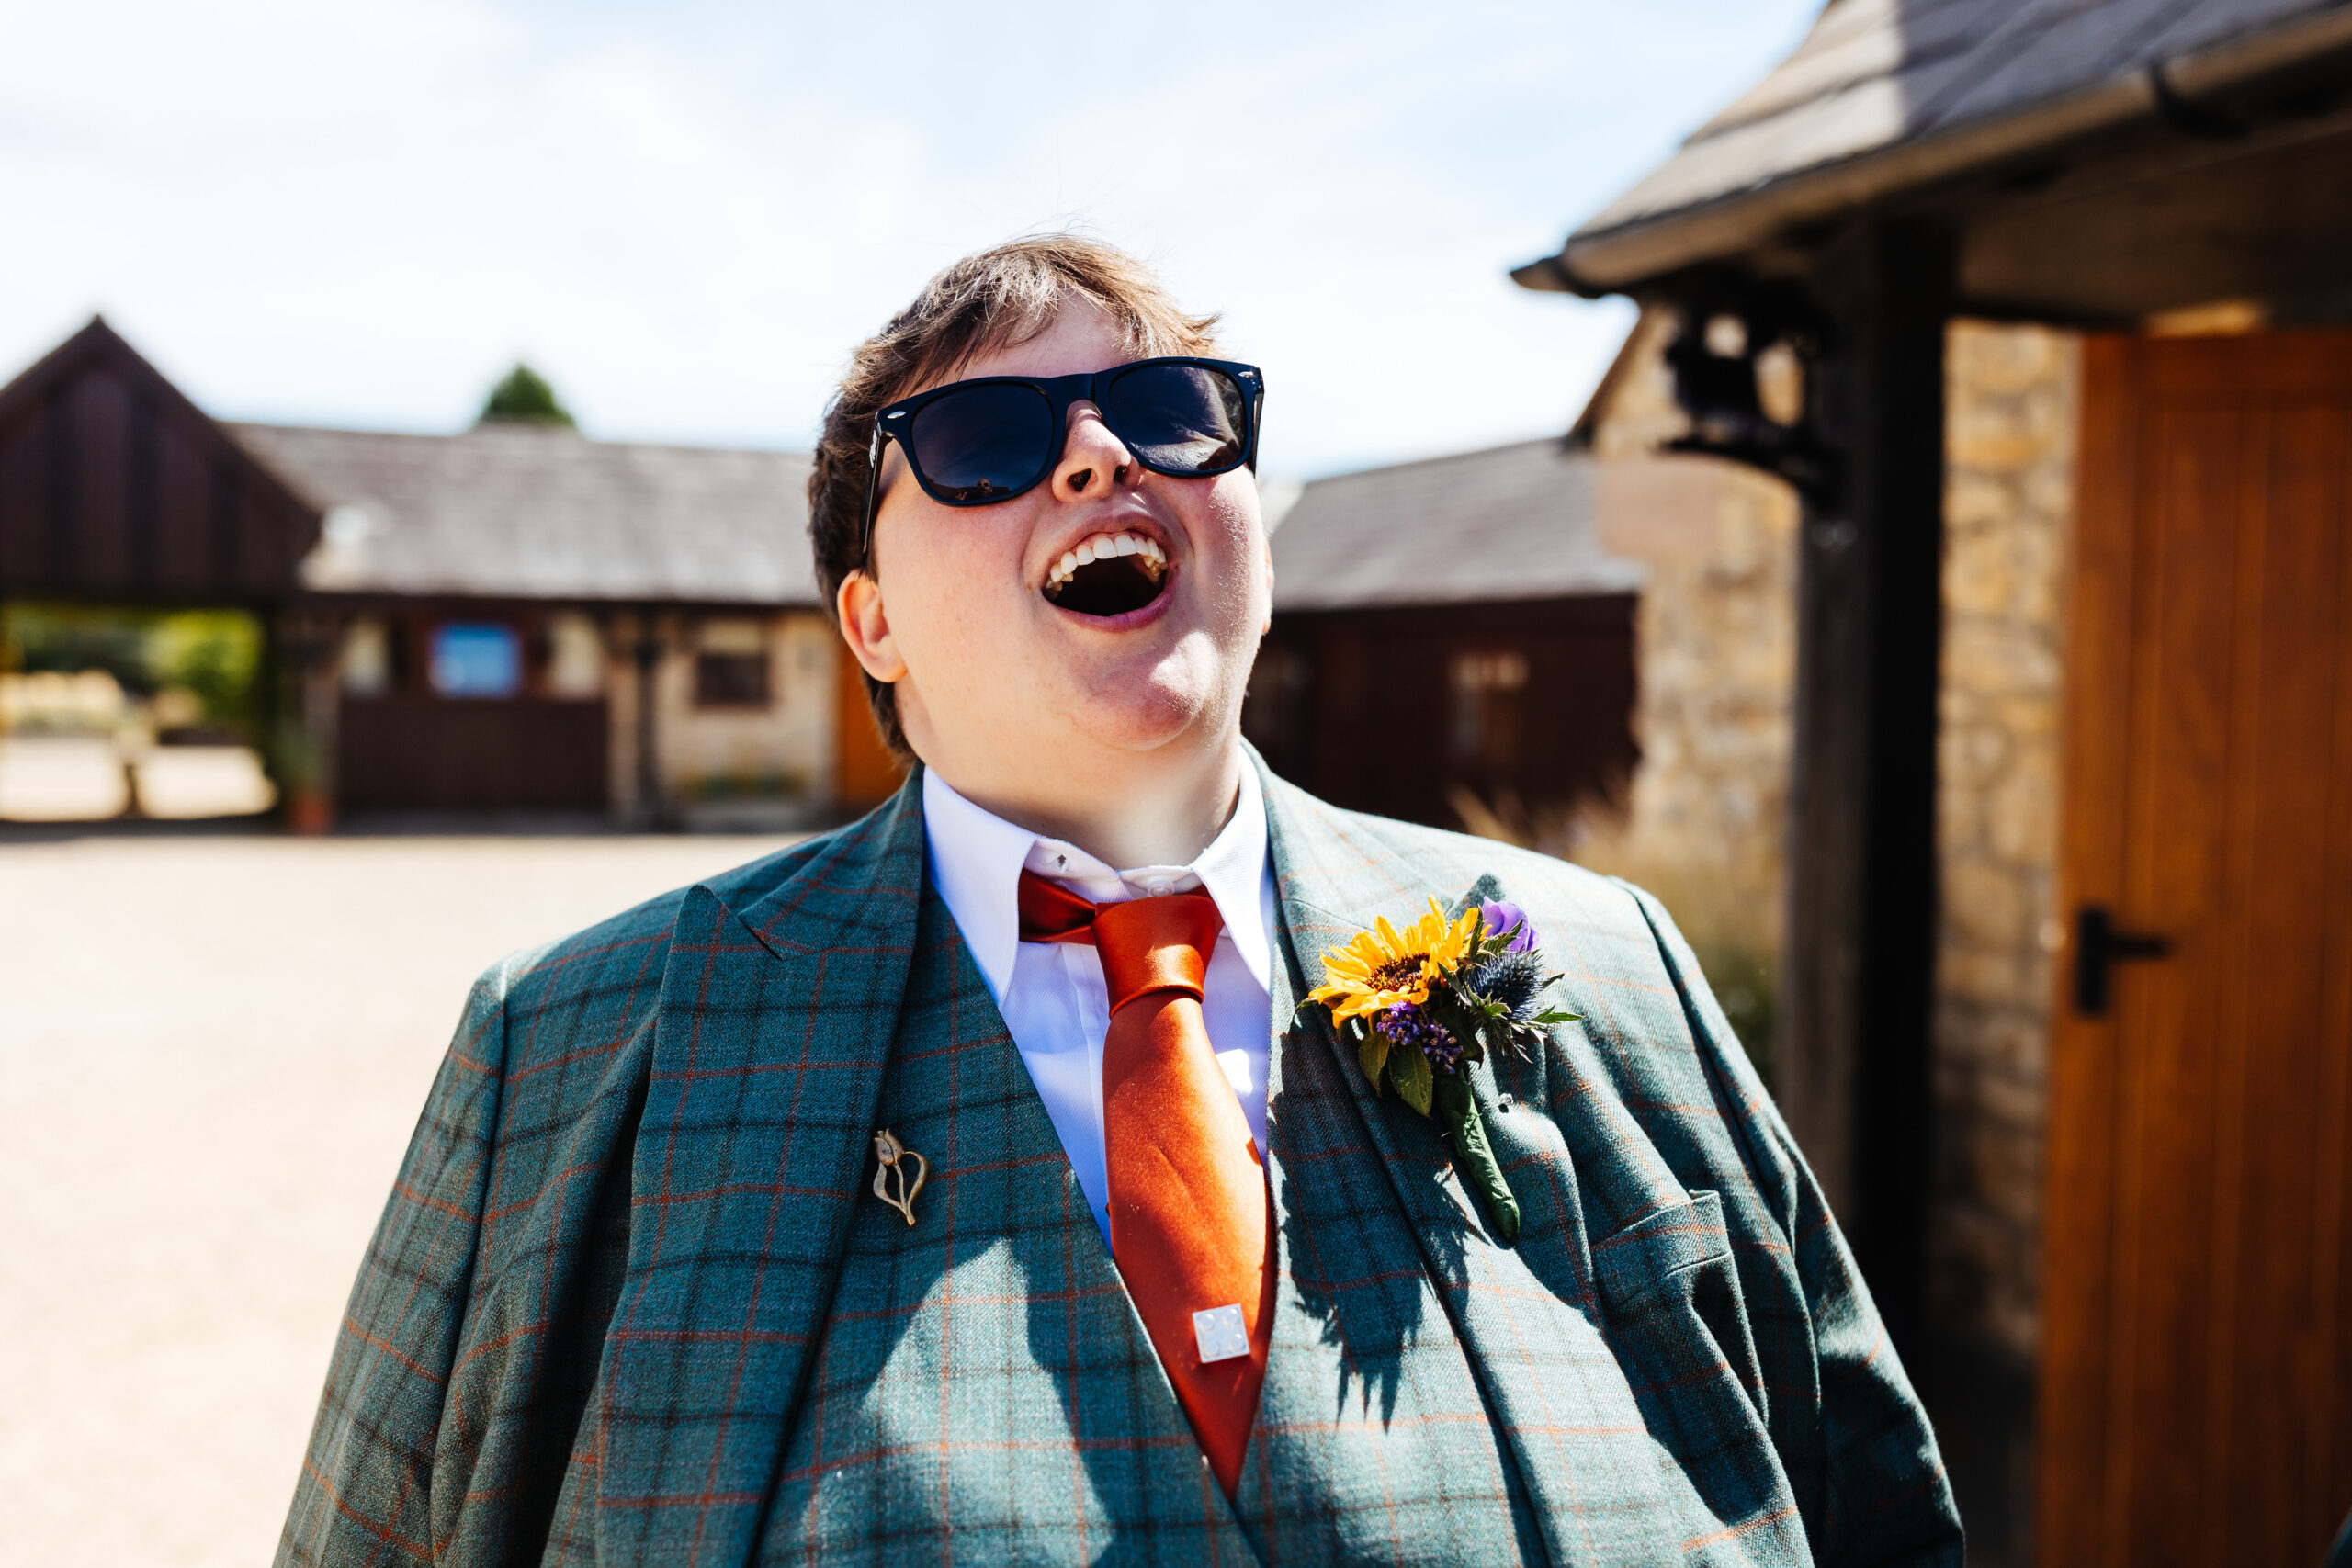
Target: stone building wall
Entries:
(755, 769)
(756, 765)
(2012, 409)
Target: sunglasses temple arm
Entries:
(873, 500)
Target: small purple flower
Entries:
(1500, 917)
(1405, 1024)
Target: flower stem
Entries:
(1457, 1115)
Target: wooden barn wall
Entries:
(114, 490)
(413, 753)
(1357, 705)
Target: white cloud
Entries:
(685, 217)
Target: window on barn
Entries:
(731, 665)
(1486, 685)
(477, 659)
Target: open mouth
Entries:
(1109, 574)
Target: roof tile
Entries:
(519, 511)
(1511, 523)
(1874, 73)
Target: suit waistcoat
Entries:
(983, 1388)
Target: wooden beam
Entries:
(651, 810)
(1859, 966)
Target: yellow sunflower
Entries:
(1383, 967)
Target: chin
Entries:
(1145, 712)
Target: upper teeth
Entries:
(1102, 547)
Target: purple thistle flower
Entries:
(1500, 917)
(1405, 1024)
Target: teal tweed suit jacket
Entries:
(633, 1301)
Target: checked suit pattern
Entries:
(631, 1300)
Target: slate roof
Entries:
(526, 513)
(1876, 76)
(1510, 523)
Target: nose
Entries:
(1093, 460)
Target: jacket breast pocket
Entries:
(1671, 1290)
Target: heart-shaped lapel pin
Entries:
(890, 1182)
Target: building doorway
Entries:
(2197, 1335)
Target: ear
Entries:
(865, 627)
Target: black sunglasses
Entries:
(977, 443)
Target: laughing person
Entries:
(1104, 1151)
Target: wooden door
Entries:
(2196, 1378)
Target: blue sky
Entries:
(686, 215)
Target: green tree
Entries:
(525, 398)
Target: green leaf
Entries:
(1474, 1158)
(1409, 1071)
(1372, 1054)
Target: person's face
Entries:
(1005, 671)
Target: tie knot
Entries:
(1145, 945)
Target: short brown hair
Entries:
(997, 300)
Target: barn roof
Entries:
(523, 511)
(1509, 523)
(1890, 94)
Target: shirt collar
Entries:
(976, 858)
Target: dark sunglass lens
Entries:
(983, 443)
(1180, 419)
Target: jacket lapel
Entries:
(1329, 888)
(1373, 1441)
(1527, 1317)
(774, 1027)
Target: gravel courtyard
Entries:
(212, 1049)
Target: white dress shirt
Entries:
(1052, 995)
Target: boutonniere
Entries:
(1422, 1004)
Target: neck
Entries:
(1128, 812)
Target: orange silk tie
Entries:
(1190, 1226)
